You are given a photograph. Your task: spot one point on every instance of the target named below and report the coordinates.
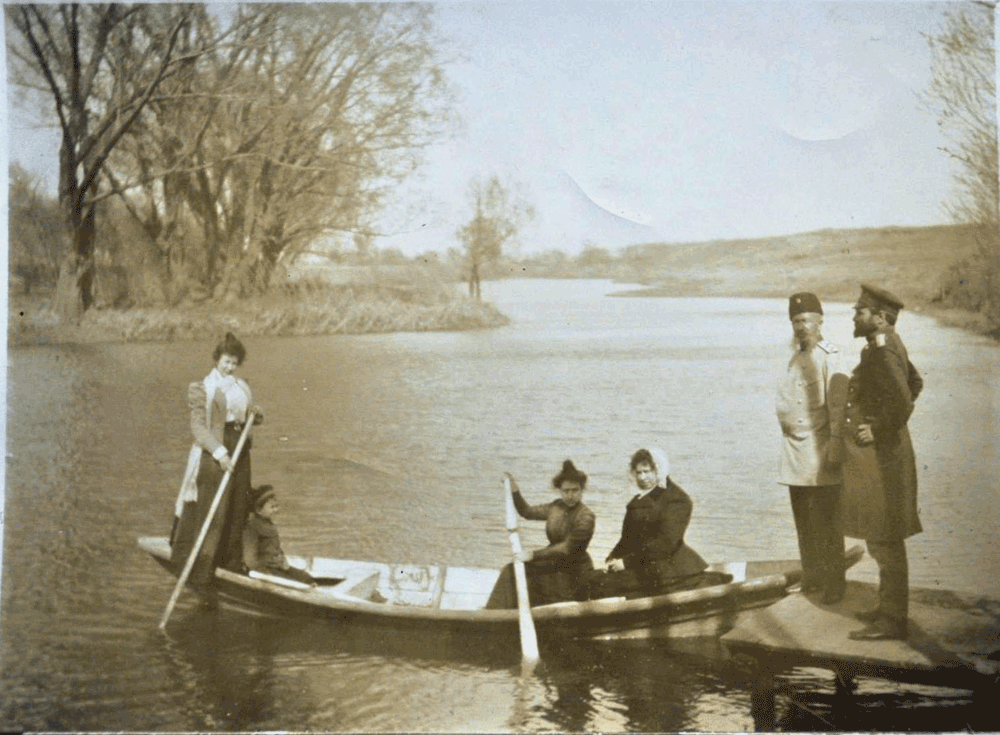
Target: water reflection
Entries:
(616, 686)
(235, 672)
(391, 448)
(223, 667)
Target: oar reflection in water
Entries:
(223, 664)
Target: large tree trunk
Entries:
(66, 302)
(75, 287)
(474, 288)
(235, 281)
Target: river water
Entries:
(391, 447)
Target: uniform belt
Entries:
(238, 425)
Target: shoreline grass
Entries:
(362, 311)
(330, 311)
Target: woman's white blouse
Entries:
(237, 400)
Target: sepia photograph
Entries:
(605, 366)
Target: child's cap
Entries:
(263, 494)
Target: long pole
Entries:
(526, 625)
(192, 557)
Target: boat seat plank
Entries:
(362, 586)
(276, 579)
(465, 580)
(438, 591)
(467, 589)
(736, 569)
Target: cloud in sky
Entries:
(627, 122)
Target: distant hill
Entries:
(910, 261)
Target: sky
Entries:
(630, 122)
(626, 122)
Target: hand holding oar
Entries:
(529, 640)
(189, 565)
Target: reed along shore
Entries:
(329, 310)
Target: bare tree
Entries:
(963, 92)
(33, 231)
(295, 132)
(170, 170)
(497, 218)
(99, 66)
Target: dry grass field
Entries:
(910, 261)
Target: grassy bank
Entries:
(909, 261)
(323, 298)
(298, 311)
(913, 262)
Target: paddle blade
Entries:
(525, 623)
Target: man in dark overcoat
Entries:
(879, 472)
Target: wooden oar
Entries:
(186, 572)
(529, 640)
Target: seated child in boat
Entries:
(261, 546)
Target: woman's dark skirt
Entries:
(223, 545)
(547, 583)
(626, 583)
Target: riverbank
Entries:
(947, 316)
(330, 310)
(916, 263)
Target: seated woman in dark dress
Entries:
(651, 557)
(555, 572)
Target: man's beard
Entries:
(805, 344)
(863, 330)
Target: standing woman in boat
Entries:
(555, 572)
(651, 556)
(220, 405)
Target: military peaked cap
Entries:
(800, 303)
(874, 297)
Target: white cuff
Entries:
(219, 453)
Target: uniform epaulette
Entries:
(827, 347)
(880, 339)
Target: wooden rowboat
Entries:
(413, 597)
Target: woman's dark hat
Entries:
(802, 303)
(261, 495)
(873, 297)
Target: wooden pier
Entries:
(953, 642)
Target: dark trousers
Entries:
(821, 540)
(893, 578)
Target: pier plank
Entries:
(953, 638)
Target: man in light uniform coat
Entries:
(810, 452)
(879, 469)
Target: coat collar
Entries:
(880, 336)
(263, 526)
(218, 380)
(652, 496)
